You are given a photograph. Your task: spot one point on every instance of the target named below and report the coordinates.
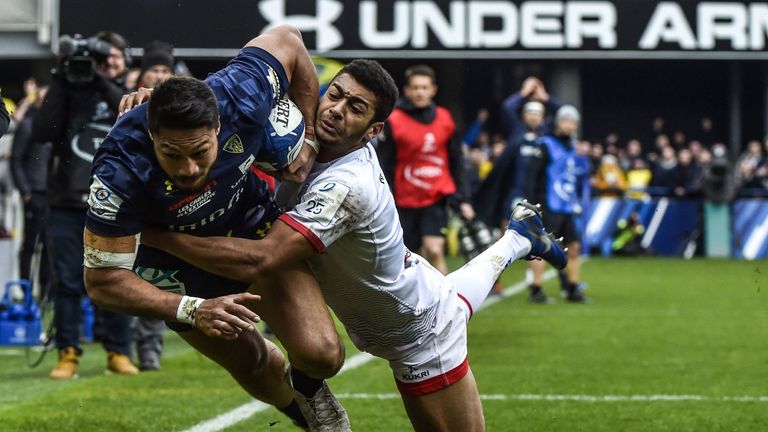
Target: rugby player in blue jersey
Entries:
(183, 163)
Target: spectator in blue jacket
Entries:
(550, 170)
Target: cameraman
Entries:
(80, 107)
(718, 176)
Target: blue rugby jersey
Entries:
(129, 188)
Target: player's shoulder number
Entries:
(323, 200)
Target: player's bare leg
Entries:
(536, 294)
(293, 305)
(538, 268)
(433, 248)
(573, 292)
(453, 408)
(256, 364)
(574, 264)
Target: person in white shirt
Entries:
(393, 303)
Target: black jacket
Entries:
(5, 119)
(75, 118)
(29, 160)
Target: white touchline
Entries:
(245, 411)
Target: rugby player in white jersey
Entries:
(393, 303)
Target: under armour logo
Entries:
(328, 11)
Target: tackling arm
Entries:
(235, 258)
(119, 289)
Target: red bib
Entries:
(422, 172)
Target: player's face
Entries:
(345, 116)
(420, 91)
(186, 155)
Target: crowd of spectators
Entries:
(667, 165)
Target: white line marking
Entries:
(229, 418)
(755, 241)
(581, 398)
(658, 216)
(243, 412)
(600, 215)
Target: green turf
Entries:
(655, 327)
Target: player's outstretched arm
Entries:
(112, 285)
(235, 258)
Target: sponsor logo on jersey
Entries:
(162, 279)
(327, 187)
(196, 204)
(246, 165)
(102, 194)
(239, 182)
(102, 201)
(192, 203)
(170, 188)
(234, 145)
(205, 220)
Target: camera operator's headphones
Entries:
(119, 42)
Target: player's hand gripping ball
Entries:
(283, 137)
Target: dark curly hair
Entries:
(375, 78)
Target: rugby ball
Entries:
(283, 137)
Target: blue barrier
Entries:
(749, 220)
(89, 318)
(670, 224)
(673, 225)
(20, 323)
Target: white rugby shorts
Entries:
(441, 359)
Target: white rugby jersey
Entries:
(385, 296)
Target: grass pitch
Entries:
(666, 345)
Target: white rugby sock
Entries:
(475, 280)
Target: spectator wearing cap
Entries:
(553, 172)
(157, 64)
(515, 108)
